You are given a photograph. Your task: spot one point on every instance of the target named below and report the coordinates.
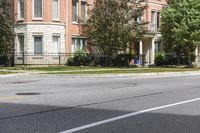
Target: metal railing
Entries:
(6, 60)
(172, 59)
(60, 59)
(41, 59)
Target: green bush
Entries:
(122, 60)
(70, 61)
(160, 59)
(79, 58)
(193, 57)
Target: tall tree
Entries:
(181, 27)
(6, 30)
(114, 24)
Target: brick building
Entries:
(54, 26)
(152, 39)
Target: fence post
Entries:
(23, 58)
(13, 60)
(59, 59)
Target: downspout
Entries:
(66, 27)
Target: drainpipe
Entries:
(66, 27)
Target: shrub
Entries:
(2, 60)
(160, 59)
(173, 59)
(79, 58)
(193, 57)
(70, 61)
(122, 60)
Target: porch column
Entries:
(197, 55)
(141, 52)
(141, 48)
(152, 50)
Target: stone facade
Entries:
(68, 30)
(47, 31)
(45, 27)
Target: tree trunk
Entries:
(189, 57)
(178, 59)
(8, 61)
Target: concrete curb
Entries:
(138, 75)
(142, 75)
(14, 75)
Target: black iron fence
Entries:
(172, 59)
(6, 60)
(60, 59)
(50, 59)
(121, 60)
(2, 60)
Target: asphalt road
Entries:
(144, 104)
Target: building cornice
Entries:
(40, 23)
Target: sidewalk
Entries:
(138, 75)
(13, 75)
(163, 74)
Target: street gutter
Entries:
(154, 74)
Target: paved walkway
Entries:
(26, 72)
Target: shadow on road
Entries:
(24, 118)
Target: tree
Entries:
(6, 30)
(181, 27)
(114, 24)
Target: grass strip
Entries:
(55, 68)
(126, 71)
(5, 72)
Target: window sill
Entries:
(75, 23)
(37, 19)
(55, 57)
(56, 20)
(38, 57)
(19, 57)
(83, 23)
(20, 20)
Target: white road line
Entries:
(127, 115)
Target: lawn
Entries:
(5, 72)
(124, 70)
(53, 68)
(95, 70)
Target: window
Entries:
(21, 44)
(137, 1)
(83, 10)
(74, 10)
(153, 21)
(56, 45)
(20, 9)
(158, 20)
(38, 45)
(38, 9)
(138, 19)
(157, 47)
(78, 43)
(56, 9)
